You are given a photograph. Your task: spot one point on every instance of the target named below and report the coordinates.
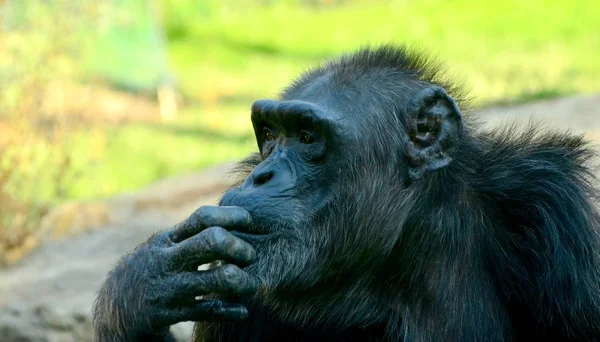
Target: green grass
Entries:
(226, 56)
(137, 154)
(502, 49)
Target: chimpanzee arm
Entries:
(156, 285)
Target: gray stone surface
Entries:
(48, 296)
(579, 113)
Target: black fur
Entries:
(501, 245)
(412, 223)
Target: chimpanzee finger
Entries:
(206, 310)
(208, 216)
(214, 243)
(224, 280)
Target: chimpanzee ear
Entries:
(435, 126)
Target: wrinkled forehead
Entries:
(337, 102)
(361, 99)
(352, 108)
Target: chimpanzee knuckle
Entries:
(162, 239)
(230, 275)
(205, 214)
(215, 238)
(216, 310)
(212, 306)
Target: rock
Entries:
(43, 323)
(48, 295)
(578, 113)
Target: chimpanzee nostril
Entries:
(262, 177)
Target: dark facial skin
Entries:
(288, 187)
(294, 140)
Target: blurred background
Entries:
(99, 98)
(118, 117)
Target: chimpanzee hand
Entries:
(156, 285)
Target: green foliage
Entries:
(138, 154)
(36, 57)
(129, 51)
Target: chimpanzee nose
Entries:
(262, 177)
(276, 174)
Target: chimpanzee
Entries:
(375, 210)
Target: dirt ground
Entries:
(48, 295)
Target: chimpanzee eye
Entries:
(269, 136)
(306, 138)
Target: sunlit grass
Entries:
(502, 49)
(138, 154)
